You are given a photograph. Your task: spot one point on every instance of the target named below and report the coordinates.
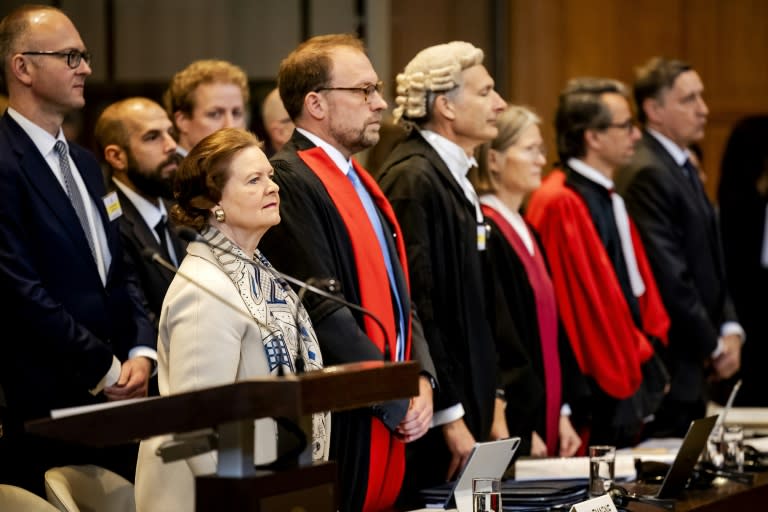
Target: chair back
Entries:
(17, 499)
(88, 488)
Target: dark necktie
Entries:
(73, 193)
(161, 228)
(692, 173)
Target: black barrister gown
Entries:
(512, 313)
(312, 241)
(440, 230)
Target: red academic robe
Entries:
(607, 344)
(387, 454)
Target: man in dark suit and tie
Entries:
(135, 142)
(666, 199)
(75, 331)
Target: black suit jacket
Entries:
(136, 237)
(61, 324)
(682, 239)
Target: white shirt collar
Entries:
(590, 173)
(333, 153)
(458, 163)
(512, 217)
(680, 155)
(150, 212)
(452, 154)
(43, 141)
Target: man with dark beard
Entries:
(135, 143)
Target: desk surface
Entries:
(726, 497)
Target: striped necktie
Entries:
(74, 193)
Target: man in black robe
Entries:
(337, 224)
(447, 99)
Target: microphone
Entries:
(312, 284)
(155, 257)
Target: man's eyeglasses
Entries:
(74, 57)
(367, 91)
(627, 125)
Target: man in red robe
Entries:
(337, 224)
(606, 293)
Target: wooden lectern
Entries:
(230, 410)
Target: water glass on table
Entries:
(486, 495)
(732, 447)
(725, 447)
(602, 469)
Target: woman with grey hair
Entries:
(537, 365)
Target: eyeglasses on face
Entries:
(627, 125)
(74, 57)
(367, 91)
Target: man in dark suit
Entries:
(451, 113)
(336, 223)
(135, 142)
(75, 331)
(666, 199)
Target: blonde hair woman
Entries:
(534, 364)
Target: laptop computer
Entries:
(682, 467)
(488, 459)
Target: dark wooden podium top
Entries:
(334, 388)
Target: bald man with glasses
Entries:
(76, 332)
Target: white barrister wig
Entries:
(433, 70)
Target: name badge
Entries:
(602, 503)
(482, 236)
(112, 204)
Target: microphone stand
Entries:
(155, 257)
(190, 444)
(191, 235)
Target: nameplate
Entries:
(600, 504)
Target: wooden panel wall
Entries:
(419, 24)
(725, 40)
(550, 41)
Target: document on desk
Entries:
(751, 418)
(71, 411)
(552, 468)
(758, 443)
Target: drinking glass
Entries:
(602, 466)
(486, 495)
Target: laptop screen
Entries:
(693, 444)
(488, 459)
